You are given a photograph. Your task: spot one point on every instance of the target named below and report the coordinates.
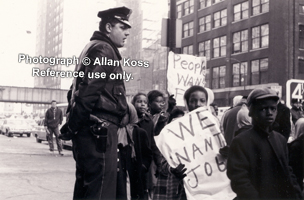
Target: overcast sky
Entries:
(18, 19)
(18, 27)
(18, 35)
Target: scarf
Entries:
(126, 130)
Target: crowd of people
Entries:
(113, 140)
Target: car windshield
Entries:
(16, 122)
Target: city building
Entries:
(49, 38)
(247, 43)
(143, 44)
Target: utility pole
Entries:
(172, 26)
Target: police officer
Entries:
(97, 106)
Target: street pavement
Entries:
(29, 171)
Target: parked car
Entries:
(16, 127)
(2, 128)
(31, 123)
(39, 132)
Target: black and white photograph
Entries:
(152, 99)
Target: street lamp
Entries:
(243, 67)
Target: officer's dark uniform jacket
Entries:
(102, 97)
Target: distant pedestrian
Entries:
(52, 121)
(258, 158)
(243, 120)
(282, 122)
(230, 125)
(296, 110)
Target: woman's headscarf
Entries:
(242, 117)
(299, 128)
(127, 127)
(236, 100)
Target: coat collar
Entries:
(277, 146)
(97, 35)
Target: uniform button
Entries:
(117, 150)
(120, 93)
(117, 159)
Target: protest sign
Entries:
(195, 140)
(183, 72)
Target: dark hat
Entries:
(296, 100)
(122, 14)
(261, 93)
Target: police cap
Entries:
(122, 14)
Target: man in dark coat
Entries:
(258, 158)
(97, 94)
(282, 122)
(230, 125)
(53, 118)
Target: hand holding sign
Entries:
(195, 141)
(179, 171)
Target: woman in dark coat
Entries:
(296, 152)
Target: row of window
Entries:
(240, 11)
(258, 74)
(301, 9)
(240, 43)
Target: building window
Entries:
(260, 36)
(240, 41)
(259, 71)
(179, 11)
(188, 50)
(205, 23)
(260, 6)
(218, 77)
(301, 36)
(188, 29)
(204, 3)
(219, 47)
(207, 78)
(239, 74)
(188, 7)
(301, 7)
(204, 49)
(301, 66)
(216, 1)
(220, 18)
(240, 11)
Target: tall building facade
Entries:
(247, 43)
(49, 38)
(143, 44)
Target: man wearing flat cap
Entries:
(96, 108)
(257, 162)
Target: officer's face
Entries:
(197, 99)
(264, 112)
(118, 34)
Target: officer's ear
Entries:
(109, 27)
